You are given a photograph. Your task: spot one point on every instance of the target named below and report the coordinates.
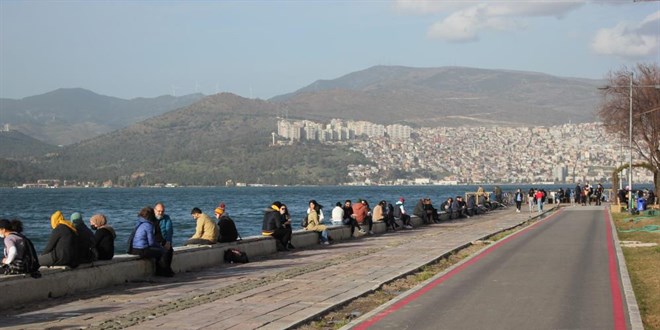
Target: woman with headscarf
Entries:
(104, 236)
(62, 247)
(86, 241)
(313, 223)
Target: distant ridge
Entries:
(16, 145)
(447, 96)
(69, 115)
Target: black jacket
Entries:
(63, 246)
(105, 243)
(228, 232)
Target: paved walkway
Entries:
(277, 292)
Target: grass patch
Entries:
(643, 264)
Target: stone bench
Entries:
(18, 290)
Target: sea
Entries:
(245, 205)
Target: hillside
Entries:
(66, 116)
(223, 137)
(447, 96)
(16, 145)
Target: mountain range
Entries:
(69, 115)
(226, 138)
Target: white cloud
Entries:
(633, 40)
(466, 19)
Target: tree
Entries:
(615, 112)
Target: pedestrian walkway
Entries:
(276, 292)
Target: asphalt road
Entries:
(557, 274)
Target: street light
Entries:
(630, 164)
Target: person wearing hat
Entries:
(206, 231)
(62, 246)
(86, 240)
(272, 226)
(228, 232)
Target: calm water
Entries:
(244, 204)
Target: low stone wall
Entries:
(18, 290)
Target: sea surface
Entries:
(245, 205)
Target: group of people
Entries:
(72, 242)
(153, 232)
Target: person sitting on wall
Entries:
(431, 211)
(272, 226)
(349, 218)
(313, 222)
(104, 237)
(62, 247)
(420, 212)
(400, 213)
(206, 231)
(362, 214)
(86, 240)
(143, 242)
(226, 226)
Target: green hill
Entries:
(222, 137)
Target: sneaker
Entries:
(290, 246)
(362, 231)
(408, 227)
(370, 232)
(326, 243)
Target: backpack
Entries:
(235, 256)
(397, 212)
(28, 263)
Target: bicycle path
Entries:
(276, 292)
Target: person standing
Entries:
(539, 199)
(104, 237)
(285, 218)
(206, 230)
(530, 199)
(518, 197)
(165, 236)
(226, 226)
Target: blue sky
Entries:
(261, 49)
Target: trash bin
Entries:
(641, 204)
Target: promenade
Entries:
(279, 291)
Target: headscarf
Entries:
(99, 221)
(58, 218)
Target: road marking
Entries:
(415, 295)
(615, 288)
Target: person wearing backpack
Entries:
(19, 255)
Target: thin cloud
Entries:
(467, 19)
(631, 40)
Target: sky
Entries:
(260, 49)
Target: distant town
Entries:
(568, 153)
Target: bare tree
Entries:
(615, 112)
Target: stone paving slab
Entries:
(274, 292)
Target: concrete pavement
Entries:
(275, 292)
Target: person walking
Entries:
(518, 197)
